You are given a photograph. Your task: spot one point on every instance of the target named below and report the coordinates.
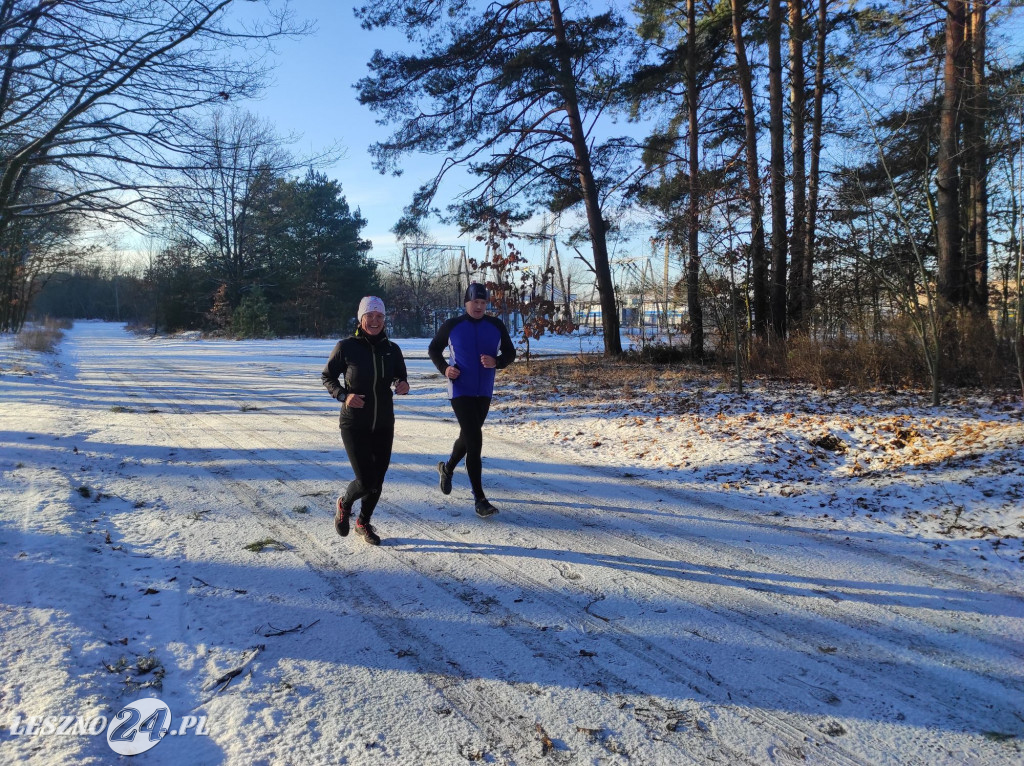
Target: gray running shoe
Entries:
(484, 508)
(445, 480)
(367, 532)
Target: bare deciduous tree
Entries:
(237, 158)
(99, 94)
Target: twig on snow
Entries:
(224, 680)
(300, 628)
(587, 609)
(218, 587)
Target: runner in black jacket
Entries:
(478, 345)
(359, 374)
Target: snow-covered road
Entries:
(595, 620)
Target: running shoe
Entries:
(367, 532)
(445, 478)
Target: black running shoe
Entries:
(446, 478)
(341, 518)
(367, 532)
(484, 508)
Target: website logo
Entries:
(134, 729)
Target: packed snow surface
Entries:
(679, 573)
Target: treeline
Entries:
(294, 264)
(300, 269)
(825, 172)
(833, 168)
(133, 117)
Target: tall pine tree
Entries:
(509, 91)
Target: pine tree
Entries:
(509, 91)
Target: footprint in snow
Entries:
(568, 572)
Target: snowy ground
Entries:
(871, 464)
(677, 575)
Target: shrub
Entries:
(251, 318)
(843, 361)
(43, 338)
(660, 353)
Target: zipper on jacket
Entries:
(476, 350)
(373, 357)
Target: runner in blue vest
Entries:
(477, 344)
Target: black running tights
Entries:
(369, 452)
(471, 412)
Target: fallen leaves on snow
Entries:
(917, 463)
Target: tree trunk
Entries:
(776, 130)
(951, 267)
(976, 144)
(584, 167)
(693, 210)
(744, 80)
(798, 108)
(817, 122)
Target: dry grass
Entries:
(895, 362)
(42, 338)
(970, 357)
(842, 362)
(595, 377)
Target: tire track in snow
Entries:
(653, 550)
(508, 733)
(787, 735)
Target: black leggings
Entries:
(471, 412)
(369, 452)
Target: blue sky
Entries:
(312, 94)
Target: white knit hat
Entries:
(368, 304)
